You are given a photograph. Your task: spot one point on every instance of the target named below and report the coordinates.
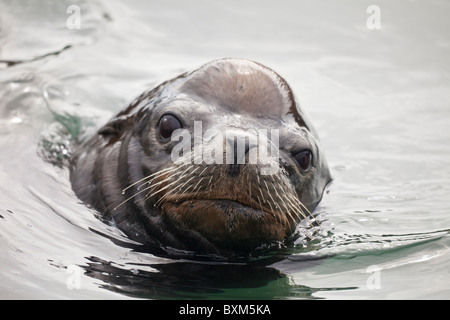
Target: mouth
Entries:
(234, 210)
(226, 223)
(241, 207)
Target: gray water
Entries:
(379, 100)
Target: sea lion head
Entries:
(221, 159)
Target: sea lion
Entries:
(209, 198)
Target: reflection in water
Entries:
(185, 275)
(198, 280)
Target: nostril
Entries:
(238, 158)
(233, 170)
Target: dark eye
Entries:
(167, 125)
(304, 160)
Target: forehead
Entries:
(240, 86)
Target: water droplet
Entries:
(134, 271)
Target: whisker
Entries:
(249, 187)
(167, 194)
(201, 179)
(131, 197)
(286, 208)
(309, 212)
(270, 195)
(187, 182)
(262, 196)
(160, 172)
(296, 209)
(160, 182)
(209, 182)
(299, 203)
(259, 201)
(306, 231)
(200, 174)
(172, 190)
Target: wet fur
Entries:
(125, 172)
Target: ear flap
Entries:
(114, 127)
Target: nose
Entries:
(239, 146)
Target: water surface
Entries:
(379, 100)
